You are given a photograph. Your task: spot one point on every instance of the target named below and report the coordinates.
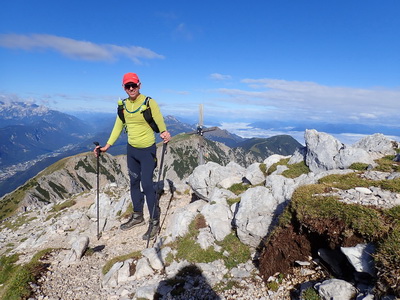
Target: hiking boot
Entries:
(154, 225)
(136, 219)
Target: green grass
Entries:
(10, 203)
(7, 267)
(390, 185)
(263, 169)
(273, 286)
(63, 205)
(306, 204)
(293, 171)
(238, 252)
(238, 188)
(111, 262)
(386, 164)
(188, 249)
(379, 226)
(394, 213)
(15, 279)
(226, 286)
(358, 166)
(310, 294)
(282, 162)
(352, 180)
(18, 222)
(232, 201)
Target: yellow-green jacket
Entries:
(140, 134)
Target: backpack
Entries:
(146, 113)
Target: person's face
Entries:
(132, 89)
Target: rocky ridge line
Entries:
(75, 276)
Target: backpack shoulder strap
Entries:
(120, 110)
(149, 117)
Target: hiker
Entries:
(141, 150)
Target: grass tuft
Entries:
(379, 226)
(63, 205)
(239, 188)
(188, 249)
(16, 278)
(134, 255)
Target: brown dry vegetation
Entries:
(314, 220)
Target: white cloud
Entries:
(76, 49)
(218, 76)
(245, 130)
(368, 115)
(235, 126)
(310, 100)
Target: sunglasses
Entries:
(128, 86)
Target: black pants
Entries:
(141, 165)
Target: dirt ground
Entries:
(299, 243)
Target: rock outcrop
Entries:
(158, 270)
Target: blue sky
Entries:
(245, 61)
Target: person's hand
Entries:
(99, 149)
(165, 136)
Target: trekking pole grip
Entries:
(98, 149)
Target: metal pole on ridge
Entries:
(158, 193)
(97, 203)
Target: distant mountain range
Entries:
(74, 174)
(33, 137)
(28, 131)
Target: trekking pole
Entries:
(158, 194)
(98, 209)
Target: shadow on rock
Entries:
(188, 283)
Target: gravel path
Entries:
(83, 280)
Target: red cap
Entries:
(130, 77)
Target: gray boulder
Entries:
(324, 152)
(111, 278)
(156, 257)
(254, 175)
(361, 258)
(205, 177)
(272, 159)
(255, 214)
(78, 248)
(143, 269)
(298, 156)
(336, 289)
(321, 150)
(181, 219)
(218, 217)
(377, 145)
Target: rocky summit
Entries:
(227, 231)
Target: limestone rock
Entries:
(361, 258)
(336, 289)
(254, 174)
(255, 214)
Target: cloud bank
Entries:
(76, 49)
(312, 101)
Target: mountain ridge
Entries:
(181, 159)
(59, 211)
(38, 136)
